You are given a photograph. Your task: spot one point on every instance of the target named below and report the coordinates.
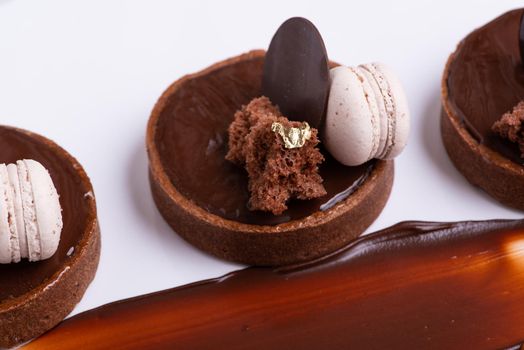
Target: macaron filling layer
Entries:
(374, 111)
(29, 213)
(12, 171)
(388, 119)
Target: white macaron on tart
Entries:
(367, 114)
(30, 213)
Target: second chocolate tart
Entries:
(203, 197)
(483, 79)
(35, 296)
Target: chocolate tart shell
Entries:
(497, 175)
(39, 309)
(297, 240)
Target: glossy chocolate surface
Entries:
(486, 80)
(191, 138)
(521, 38)
(415, 285)
(296, 72)
(19, 279)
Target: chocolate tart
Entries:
(483, 79)
(203, 197)
(36, 296)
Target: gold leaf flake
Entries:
(292, 137)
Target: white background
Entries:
(87, 74)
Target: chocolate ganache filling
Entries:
(21, 278)
(486, 80)
(192, 142)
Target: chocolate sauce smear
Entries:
(486, 80)
(415, 285)
(19, 279)
(192, 142)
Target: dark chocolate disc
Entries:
(296, 72)
(521, 38)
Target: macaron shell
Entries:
(12, 171)
(29, 213)
(47, 208)
(11, 220)
(5, 241)
(402, 115)
(351, 131)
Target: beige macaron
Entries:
(30, 213)
(367, 114)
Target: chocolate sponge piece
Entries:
(511, 126)
(276, 174)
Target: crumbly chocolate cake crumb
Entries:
(511, 126)
(276, 173)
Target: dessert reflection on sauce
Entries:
(515, 251)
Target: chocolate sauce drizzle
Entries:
(415, 285)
